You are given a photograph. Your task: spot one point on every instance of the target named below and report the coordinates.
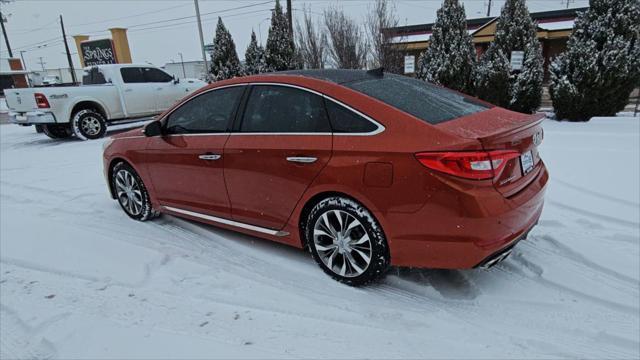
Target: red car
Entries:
(365, 169)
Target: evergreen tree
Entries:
(450, 58)
(224, 59)
(601, 65)
(515, 31)
(254, 61)
(279, 51)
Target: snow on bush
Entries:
(254, 57)
(279, 51)
(494, 79)
(601, 65)
(450, 58)
(224, 59)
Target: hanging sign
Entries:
(98, 52)
(517, 59)
(409, 64)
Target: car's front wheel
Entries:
(131, 193)
(347, 241)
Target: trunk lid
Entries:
(501, 129)
(21, 100)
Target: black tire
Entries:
(88, 124)
(141, 211)
(39, 128)
(57, 131)
(344, 249)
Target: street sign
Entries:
(409, 64)
(517, 58)
(98, 52)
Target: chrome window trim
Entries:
(228, 222)
(380, 127)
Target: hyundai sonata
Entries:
(364, 169)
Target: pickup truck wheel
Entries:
(57, 131)
(88, 124)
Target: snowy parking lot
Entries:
(79, 279)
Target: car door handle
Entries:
(209, 157)
(128, 90)
(302, 159)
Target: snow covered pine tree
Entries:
(601, 66)
(450, 58)
(279, 51)
(254, 61)
(495, 81)
(224, 59)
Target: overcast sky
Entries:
(160, 29)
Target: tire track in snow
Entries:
(595, 193)
(594, 215)
(19, 340)
(508, 267)
(580, 259)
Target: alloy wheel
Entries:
(91, 126)
(129, 192)
(342, 243)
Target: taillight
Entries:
(477, 165)
(41, 101)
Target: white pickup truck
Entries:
(108, 94)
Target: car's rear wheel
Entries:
(131, 193)
(88, 124)
(347, 241)
(57, 131)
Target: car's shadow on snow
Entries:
(463, 285)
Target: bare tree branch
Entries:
(348, 45)
(311, 42)
(384, 52)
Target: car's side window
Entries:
(210, 112)
(132, 75)
(344, 120)
(282, 109)
(156, 75)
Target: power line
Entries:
(134, 28)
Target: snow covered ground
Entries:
(79, 279)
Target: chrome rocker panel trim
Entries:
(224, 221)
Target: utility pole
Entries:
(184, 74)
(41, 62)
(290, 18)
(204, 54)
(24, 64)
(489, 9)
(66, 46)
(4, 32)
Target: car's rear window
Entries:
(430, 103)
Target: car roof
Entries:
(337, 76)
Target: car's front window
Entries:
(210, 112)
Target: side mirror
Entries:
(176, 80)
(153, 128)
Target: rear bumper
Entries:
(467, 229)
(32, 117)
